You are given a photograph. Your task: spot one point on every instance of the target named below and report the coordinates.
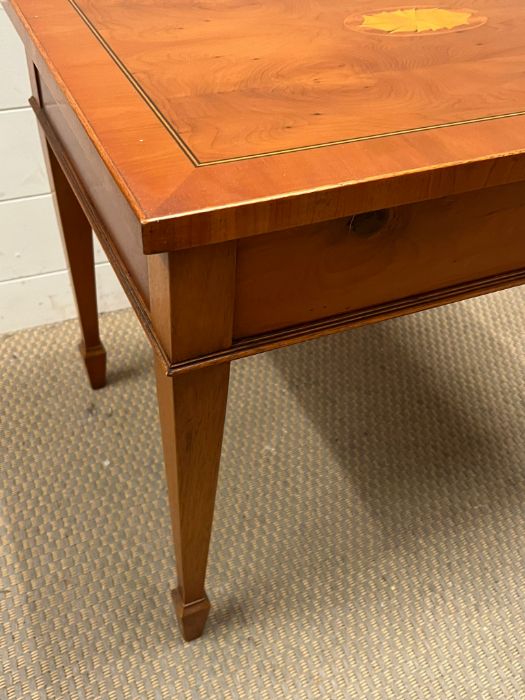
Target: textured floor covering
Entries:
(369, 531)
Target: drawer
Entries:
(310, 273)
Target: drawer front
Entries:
(306, 274)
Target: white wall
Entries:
(34, 283)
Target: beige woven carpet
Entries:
(369, 531)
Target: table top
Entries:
(233, 80)
(209, 105)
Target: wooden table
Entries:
(261, 173)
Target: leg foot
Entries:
(191, 616)
(95, 362)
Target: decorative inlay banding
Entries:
(321, 129)
(415, 21)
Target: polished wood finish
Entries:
(300, 275)
(180, 205)
(77, 238)
(86, 201)
(260, 174)
(77, 241)
(192, 293)
(282, 75)
(107, 198)
(192, 408)
(191, 317)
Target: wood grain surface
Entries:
(240, 79)
(77, 239)
(300, 275)
(392, 83)
(191, 296)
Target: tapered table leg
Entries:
(192, 408)
(191, 301)
(78, 245)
